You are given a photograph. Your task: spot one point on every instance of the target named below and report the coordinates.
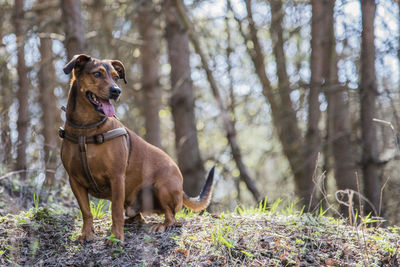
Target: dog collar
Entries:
(86, 126)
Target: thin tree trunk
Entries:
(282, 111)
(232, 99)
(48, 101)
(286, 115)
(368, 94)
(150, 50)
(398, 39)
(339, 117)
(23, 84)
(182, 103)
(100, 11)
(230, 130)
(5, 102)
(74, 32)
(318, 66)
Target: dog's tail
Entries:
(203, 200)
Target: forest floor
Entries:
(246, 237)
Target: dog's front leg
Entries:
(82, 196)
(117, 206)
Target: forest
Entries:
(293, 101)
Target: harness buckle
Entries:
(61, 132)
(98, 139)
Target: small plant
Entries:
(275, 205)
(35, 201)
(113, 239)
(290, 209)
(184, 213)
(321, 212)
(97, 209)
(220, 236)
(262, 206)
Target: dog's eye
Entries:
(97, 74)
(116, 78)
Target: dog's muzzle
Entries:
(115, 92)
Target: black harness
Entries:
(97, 139)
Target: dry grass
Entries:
(246, 237)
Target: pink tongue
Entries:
(106, 107)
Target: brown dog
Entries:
(107, 160)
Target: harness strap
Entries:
(82, 141)
(95, 139)
(85, 165)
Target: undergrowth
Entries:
(266, 235)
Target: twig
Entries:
(358, 190)
(23, 171)
(396, 136)
(380, 197)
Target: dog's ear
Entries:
(77, 62)
(119, 67)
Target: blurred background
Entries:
(280, 95)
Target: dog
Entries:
(107, 160)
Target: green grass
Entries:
(99, 209)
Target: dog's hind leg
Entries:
(168, 222)
(169, 202)
(82, 196)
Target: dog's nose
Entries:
(114, 92)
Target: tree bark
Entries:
(368, 93)
(282, 111)
(48, 101)
(182, 103)
(232, 99)
(74, 32)
(319, 50)
(150, 50)
(23, 84)
(338, 113)
(100, 11)
(230, 130)
(286, 120)
(5, 102)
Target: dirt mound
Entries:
(44, 237)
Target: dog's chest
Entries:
(98, 163)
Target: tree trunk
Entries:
(48, 101)
(368, 94)
(5, 102)
(282, 111)
(100, 11)
(319, 54)
(23, 84)
(150, 49)
(182, 103)
(232, 99)
(230, 130)
(286, 120)
(74, 32)
(339, 117)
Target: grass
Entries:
(98, 209)
(274, 235)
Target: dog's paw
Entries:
(161, 228)
(85, 237)
(158, 228)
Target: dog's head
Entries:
(97, 80)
